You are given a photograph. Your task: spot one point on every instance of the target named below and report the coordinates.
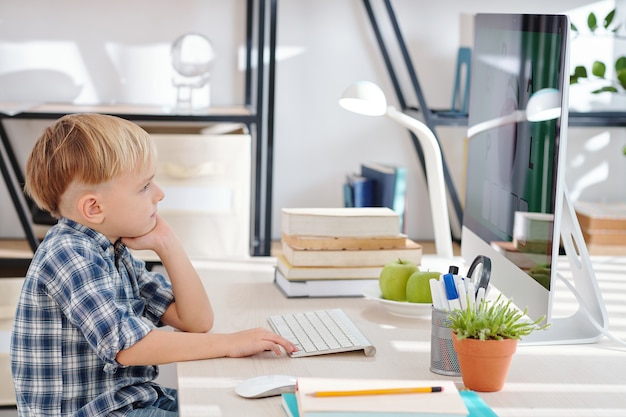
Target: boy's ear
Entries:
(90, 208)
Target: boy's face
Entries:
(130, 204)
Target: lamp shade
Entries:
(365, 98)
(543, 105)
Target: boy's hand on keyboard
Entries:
(252, 341)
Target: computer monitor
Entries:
(517, 210)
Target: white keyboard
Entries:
(321, 332)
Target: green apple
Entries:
(418, 286)
(393, 279)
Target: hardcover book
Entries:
(302, 273)
(370, 257)
(362, 189)
(601, 216)
(337, 287)
(340, 222)
(351, 243)
(389, 187)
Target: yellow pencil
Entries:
(379, 391)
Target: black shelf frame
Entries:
(431, 118)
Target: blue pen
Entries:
(451, 292)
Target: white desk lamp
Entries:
(368, 99)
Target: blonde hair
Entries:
(85, 148)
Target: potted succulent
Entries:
(485, 338)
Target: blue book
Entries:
(389, 187)
(289, 403)
(476, 406)
(348, 195)
(362, 190)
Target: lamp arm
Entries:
(435, 179)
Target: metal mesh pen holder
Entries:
(443, 359)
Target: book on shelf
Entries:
(411, 251)
(351, 243)
(605, 237)
(301, 273)
(389, 187)
(340, 222)
(447, 403)
(476, 406)
(348, 195)
(361, 189)
(333, 287)
(601, 216)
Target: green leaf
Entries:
(495, 320)
(607, 89)
(609, 19)
(580, 72)
(573, 27)
(592, 22)
(621, 77)
(598, 69)
(620, 64)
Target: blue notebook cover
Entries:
(289, 403)
(389, 187)
(362, 189)
(476, 406)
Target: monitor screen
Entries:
(513, 165)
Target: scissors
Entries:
(481, 264)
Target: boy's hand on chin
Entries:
(155, 239)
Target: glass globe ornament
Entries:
(192, 57)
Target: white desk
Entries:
(582, 380)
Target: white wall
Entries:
(324, 45)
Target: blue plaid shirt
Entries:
(84, 299)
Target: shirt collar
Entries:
(100, 239)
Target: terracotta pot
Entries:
(484, 363)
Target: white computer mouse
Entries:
(266, 386)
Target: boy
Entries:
(84, 340)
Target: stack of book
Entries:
(317, 397)
(338, 252)
(603, 226)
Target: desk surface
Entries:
(581, 380)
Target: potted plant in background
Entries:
(598, 57)
(598, 68)
(485, 338)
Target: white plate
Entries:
(398, 308)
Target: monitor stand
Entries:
(590, 320)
